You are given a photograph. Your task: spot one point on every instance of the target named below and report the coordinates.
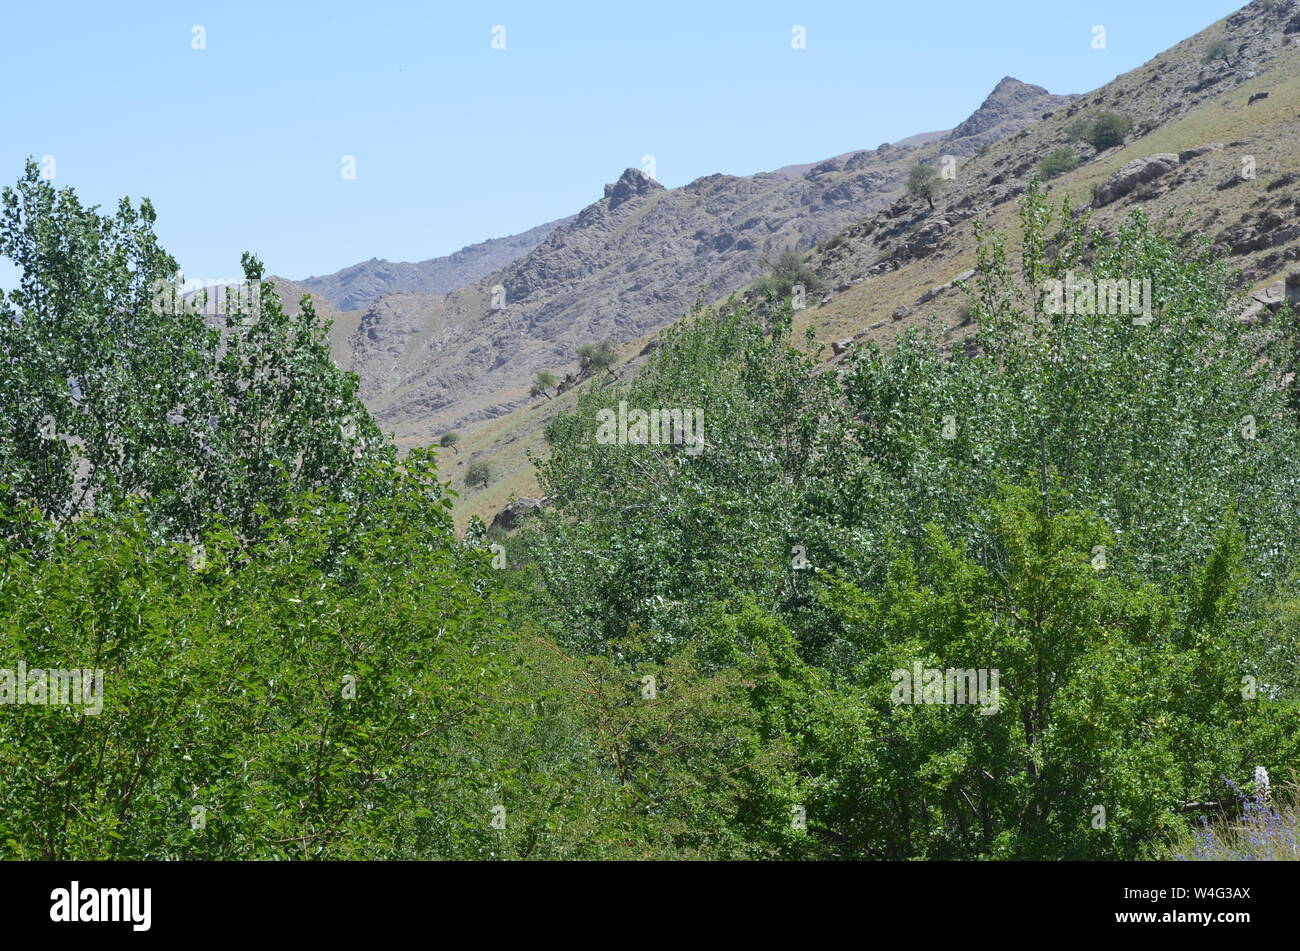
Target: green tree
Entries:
(478, 475)
(1116, 703)
(867, 514)
(328, 692)
(125, 391)
(1108, 130)
(1219, 49)
(541, 383)
(789, 271)
(923, 181)
(596, 357)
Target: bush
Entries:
(1108, 130)
(1058, 163)
(787, 272)
(478, 475)
(1102, 131)
(596, 357)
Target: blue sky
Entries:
(241, 144)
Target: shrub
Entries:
(544, 381)
(595, 357)
(1108, 130)
(788, 271)
(1058, 163)
(1101, 131)
(478, 475)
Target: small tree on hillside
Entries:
(478, 475)
(923, 181)
(541, 383)
(1059, 162)
(1108, 130)
(595, 357)
(1218, 50)
(786, 272)
(449, 440)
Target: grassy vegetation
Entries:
(1250, 827)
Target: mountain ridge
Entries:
(631, 262)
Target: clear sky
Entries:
(241, 144)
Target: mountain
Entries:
(361, 284)
(626, 265)
(1213, 143)
(1197, 128)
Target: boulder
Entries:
(1271, 296)
(839, 346)
(1189, 154)
(1251, 314)
(1135, 173)
(508, 518)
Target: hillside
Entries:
(627, 265)
(896, 268)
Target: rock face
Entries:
(631, 184)
(1266, 302)
(1010, 107)
(626, 265)
(1135, 173)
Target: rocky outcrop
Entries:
(1267, 301)
(510, 516)
(1186, 155)
(1135, 173)
(1010, 107)
(633, 183)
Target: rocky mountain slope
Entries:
(362, 284)
(625, 266)
(1207, 146)
(1213, 143)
